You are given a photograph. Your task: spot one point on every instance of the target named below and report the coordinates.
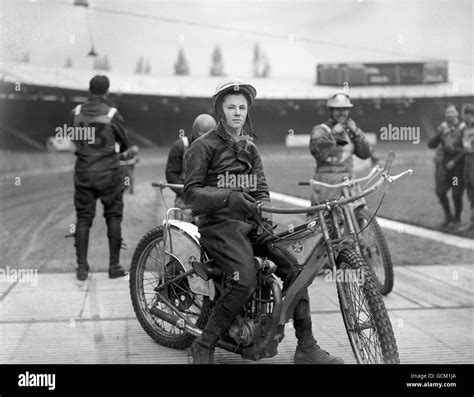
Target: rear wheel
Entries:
(375, 251)
(152, 267)
(365, 317)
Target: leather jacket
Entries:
(109, 128)
(333, 151)
(448, 141)
(213, 163)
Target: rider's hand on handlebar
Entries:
(242, 204)
(264, 231)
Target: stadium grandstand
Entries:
(37, 97)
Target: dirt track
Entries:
(36, 216)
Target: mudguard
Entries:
(182, 240)
(344, 244)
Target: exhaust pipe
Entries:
(176, 321)
(181, 324)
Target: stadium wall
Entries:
(39, 111)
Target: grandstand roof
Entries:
(203, 86)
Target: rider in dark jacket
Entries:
(223, 179)
(98, 175)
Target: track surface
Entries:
(37, 214)
(431, 307)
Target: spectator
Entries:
(449, 168)
(468, 146)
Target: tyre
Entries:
(151, 267)
(365, 317)
(375, 251)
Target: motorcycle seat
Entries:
(207, 270)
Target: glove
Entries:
(338, 135)
(264, 232)
(351, 125)
(338, 128)
(242, 204)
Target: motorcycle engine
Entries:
(244, 331)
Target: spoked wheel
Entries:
(152, 267)
(365, 317)
(375, 251)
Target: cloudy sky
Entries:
(295, 35)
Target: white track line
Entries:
(400, 227)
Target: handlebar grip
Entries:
(388, 163)
(303, 183)
(155, 184)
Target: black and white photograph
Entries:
(278, 186)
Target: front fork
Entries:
(336, 242)
(350, 219)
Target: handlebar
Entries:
(333, 203)
(162, 185)
(352, 182)
(348, 182)
(337, 202)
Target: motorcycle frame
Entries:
(329, 245)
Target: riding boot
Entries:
(307, 350)
(470, 225)
(202, 349)
(115, 242)
(81, 242)
(448, 217)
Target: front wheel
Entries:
(365, 317)
(375, 251)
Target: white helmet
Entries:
(236, 85)
(339, 100)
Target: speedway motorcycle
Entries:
(174, 283)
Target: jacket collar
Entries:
(223, 134)
(97, 98)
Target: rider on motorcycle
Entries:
(332, 144)
(226, 217)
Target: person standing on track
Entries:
(449, 171)
(227, 218)
(98, 175)
(333, 144)
(468, 146)
(175, 165)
